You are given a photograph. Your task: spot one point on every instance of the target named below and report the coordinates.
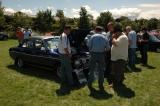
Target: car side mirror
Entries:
(43, 48)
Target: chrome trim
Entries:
(36, 55)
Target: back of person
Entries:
(133, 37)
(97, 43)
(120, 50)
(19, 35)
(27, 34)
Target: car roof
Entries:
(43, 37)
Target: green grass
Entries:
(34, 87)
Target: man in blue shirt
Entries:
(98, 44)
(132, 36)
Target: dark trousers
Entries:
(97, 58)
(66, 71)
(132, 57)
(108, 66)
(143, 51)
(118, 68)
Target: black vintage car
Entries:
(42, 51)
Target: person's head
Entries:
(117, 29)
(144, 30)
(67, 30)
(98, 29)
(19, 29)
(110, 27)
(128, 29)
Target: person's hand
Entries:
(114, 36)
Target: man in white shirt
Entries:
(65, 56)
(119, 55)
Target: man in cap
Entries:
(97, 47)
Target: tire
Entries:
(19, 63)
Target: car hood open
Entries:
(77, 37)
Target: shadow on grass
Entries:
(44, 74)
(36, 72)
(148, 66)
(124, 92)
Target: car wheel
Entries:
(58, 71)
(20, 63)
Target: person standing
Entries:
(65, 56)
(97, 47)
(19, 35)
(119, 55)
(27, 33)
(110, 28)
(143, 42)
(132, 37)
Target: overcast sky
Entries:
(131, 8)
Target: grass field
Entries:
(35, 87)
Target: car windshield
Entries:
(154, 38)
(52, 43)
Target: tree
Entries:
(104, 18)
(91, 21)
(43, 21)
(2, 18)
(21, 20)
(142, 23)
(84, 19)
(152, 23)
(62, 21)
(125, 21)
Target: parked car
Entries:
(154, 43)
(3, 36)
(42, 51)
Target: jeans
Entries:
(66, 71)
(99, 59)
(132, 57)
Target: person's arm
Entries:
(130, 39)
(107, 46)
(114, 40)
(90, 43)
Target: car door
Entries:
(39, 53)
(25, 51)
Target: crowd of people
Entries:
(22, 34)
(110, 52)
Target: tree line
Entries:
(44, 21)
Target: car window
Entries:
(52, 43)
(28, 44)
(38, 44)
